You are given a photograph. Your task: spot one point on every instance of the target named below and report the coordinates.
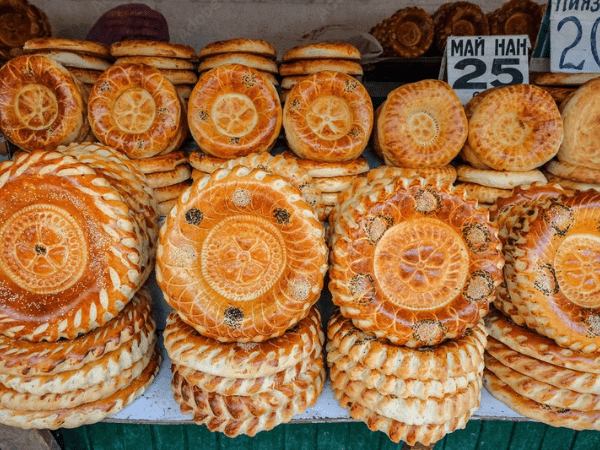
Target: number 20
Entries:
(562, 64)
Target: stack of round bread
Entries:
(328, 119)
(233, 111)
(168, 176)
(69, 383)
(254, 53)
(244, 388)
(458, 19)
(577, 163)
(308, 59)
(42, 104)
(20, 21)
(176, 62)
(78, 240)
(419, 129)
(241, 259)
(86, 60)
(513, 131)
(414, 266)
(408, 33)
(542, 362)
(560, 85)
(136, 110)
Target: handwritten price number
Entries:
(480, 68)
(572, 19)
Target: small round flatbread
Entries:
(135, 109)
(421, 124)
(571, 184)
(516, 128)
(85, 76)
(254, 243)
(42, 105)
(21, 21)
(458, 19)
(178, 77)
(580, 114)
(561, 79)
(410, 32)
(328, 117)
(500, 180)
(171, 192)
(234, 111)
(517, 17)
(96, 49)
(254, 61)
(158, 62)
(426, 272)
(575, 172)
(77, 60)
(252, 46)
(483, 194)
(178, 175)
(162, 163)
(311, 66)
(323, 50)
(151, 48)
(205, 163)
(334, 169)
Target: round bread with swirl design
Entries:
(41, 104)
(553, 279)
(410, 32)
(241, 256)
(515, 128)
(414, 263)
(458, 19)
(234, 111)
(70, 248)
(328, 117)
(21, 21)
(135, 109)
(421, 124)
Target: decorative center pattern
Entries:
(510, 129)
(517, 24)
(408, 34)
(423, 127)
(42, 249)
(243, 257)
(36, 107)
(421, 264)
(577, 263)
(134, 111)
(329, 117)
(234, 115)
(463, 27)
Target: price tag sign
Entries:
(477, 63)
(574, 36)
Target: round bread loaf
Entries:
(458, 19)
(256, 62)
(134, 47)
(242, 256)
(517, 17)
(515, 128)
(89, 48)
(323, 50)
(234, 111)
(421, 124)
(41, 104)
(71, 248)
(135, 109)
(328, 117)
(21, 21)
(430, 262)
(252, 46)
(312, 66)
(410, 32)
(499, 180)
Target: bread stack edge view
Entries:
(78, 337)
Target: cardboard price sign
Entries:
(574, 36)
(477, 63)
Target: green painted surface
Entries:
(478, 435)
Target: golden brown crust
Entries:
(444, 271)
(517, 17)
(311, 66)
(85, 76)
(151, 48)
(421, 124)
(561, 79)
(89, 48)
(171, 192)
(135, 109)
(328, 117)
(499, 180)
(162, 163)
(41, 104)
(254, 61)
(575, 172)
(97, 245)
(158, 62)
(179, 174)
(257, 217)
(334, 169)
(252, 46)
(21, 21)
(516, 128)
(234, 111)
(323, 50)
(483, 194)
(19, 357)
(410, 32)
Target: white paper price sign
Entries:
(477, 63)
(574, 36)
